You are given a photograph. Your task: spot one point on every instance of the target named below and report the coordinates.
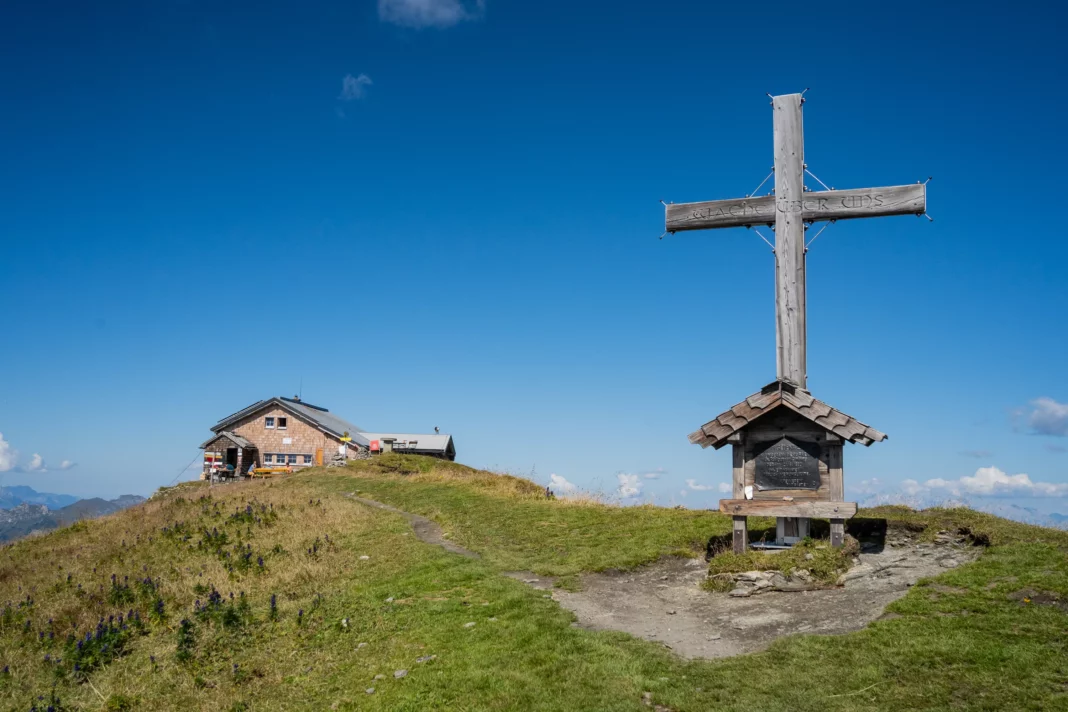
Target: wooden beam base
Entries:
(837, 533)
(741, 535)
(816, 509)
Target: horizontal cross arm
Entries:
(814, 206)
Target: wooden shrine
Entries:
(787, 461)
(788, 445)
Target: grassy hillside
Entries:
(290, 595)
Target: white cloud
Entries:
(912, 488)
(36, 464)
(683, 493)
(629, 485)
(67, 464)
(692, 484)
(655, 474)
(419, 14)
(8, 455)
(869, 486)
(986, 482)
(725, 487)
(1048, 417)
(353, 88)
(559, 484)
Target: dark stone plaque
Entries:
(787, 464)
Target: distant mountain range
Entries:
(24, 511)
(18, 494)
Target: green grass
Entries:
(510, 522)
(968, 643)
(825, 563)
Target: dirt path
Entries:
(664, 602)
(427, 530)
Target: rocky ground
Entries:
(665, 602)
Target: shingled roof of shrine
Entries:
(780, 394)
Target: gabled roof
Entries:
(415, 441)
(236, 439)
(321, 417)
(783, 395)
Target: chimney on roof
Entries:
(296, 398)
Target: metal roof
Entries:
(317, 415)
(336, 426)
(326, 419)
(426, 442)
(781, 394)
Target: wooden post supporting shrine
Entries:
(741, 525)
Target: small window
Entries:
(268, 422)
(281, 423)
(292, 459)
(268, 459)
(307, 459)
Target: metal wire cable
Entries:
(817, 179)
(764, 239)
(183, 470)
(809, 244)
(769, 175)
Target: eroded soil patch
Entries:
(664, 602)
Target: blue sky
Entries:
(435, 213)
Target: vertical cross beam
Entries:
(790, 331)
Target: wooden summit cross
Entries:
(788, 445)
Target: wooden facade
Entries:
(289, 433)
(278, 433)
(300, 438)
